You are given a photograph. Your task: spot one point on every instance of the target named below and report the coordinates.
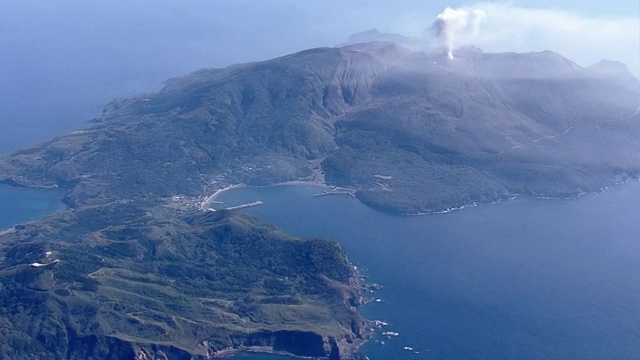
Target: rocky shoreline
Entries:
(345, 348)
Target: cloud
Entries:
(497, 27)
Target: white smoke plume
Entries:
(457, 27)
(500, 27)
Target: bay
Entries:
(525, 279)
(18, 205)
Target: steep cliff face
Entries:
(297, 343)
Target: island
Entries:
(405, 131)
(139, 265)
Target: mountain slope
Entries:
(411, 131)
(133, 267)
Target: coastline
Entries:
(301, 182)
(324, 186)
(349, 348)
(206, 202)
(8, 231)
(12, 182)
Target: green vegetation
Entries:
(410, 183)
(482, 128)
(409, 132)
(141, 275)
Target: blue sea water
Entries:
(20, 205)
(525, 279)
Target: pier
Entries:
(244, 206)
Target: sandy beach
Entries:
(317, 182)
(204, 205)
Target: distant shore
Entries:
(302, 182)
(205, 204)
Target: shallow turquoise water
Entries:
(525, 279)
(20, 205)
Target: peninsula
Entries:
(138, 281)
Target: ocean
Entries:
(524, 279)
(20, 205)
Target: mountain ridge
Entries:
(475, 118)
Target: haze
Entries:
(61, 62)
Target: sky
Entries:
(62, 61)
